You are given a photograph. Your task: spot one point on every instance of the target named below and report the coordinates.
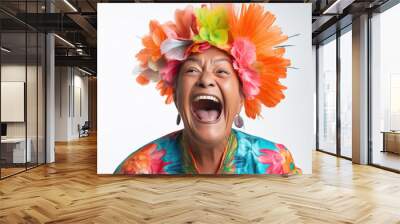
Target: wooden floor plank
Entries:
(70, 191)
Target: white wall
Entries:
(17, 73)
(69, 84)
(61, 103)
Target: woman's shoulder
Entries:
(152, 158)
(268, 157)
(255, 141)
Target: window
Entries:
(346, 93)
(385, 89)
(327, 96)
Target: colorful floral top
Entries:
(244, 154)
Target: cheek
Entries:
(231, 91)
(183, 89)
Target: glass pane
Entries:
(386, 89)
(23, 89)
(13, 89)
(31, 100)
(327, 96)
(346, 94)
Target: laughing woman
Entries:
(211, 62)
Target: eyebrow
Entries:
(193, 59)
(221, 60)
(213, 61)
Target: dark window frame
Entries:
(334, 37)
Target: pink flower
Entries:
(249, 79)
(147, 160)
(244, 54)
(169, 71)
(274, 159)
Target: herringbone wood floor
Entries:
(70, 191)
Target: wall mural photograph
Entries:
(205, 89)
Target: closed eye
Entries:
(222, 72)
(191, 70)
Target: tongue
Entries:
(207, 115)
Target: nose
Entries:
(206, 80)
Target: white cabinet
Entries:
(17, 145)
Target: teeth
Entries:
(205, 97)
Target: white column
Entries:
(50, 100)
(50, 92)
(360, 90)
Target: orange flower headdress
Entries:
(249, 36)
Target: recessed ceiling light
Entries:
(64, 40)
(337, 7)
(84, 71)
(70, 5)
(5, 50)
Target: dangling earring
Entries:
(178, 119)
(238, 121)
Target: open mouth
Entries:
(207, 108)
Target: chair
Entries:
(84, 130)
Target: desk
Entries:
(16, 148)
(391, 141)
